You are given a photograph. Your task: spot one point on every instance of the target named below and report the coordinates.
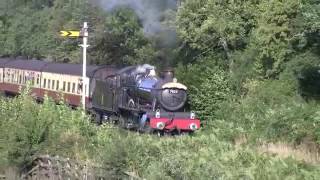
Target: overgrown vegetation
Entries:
(252, 69)
(30, 129)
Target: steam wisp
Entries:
(150, 12)
(144, 69)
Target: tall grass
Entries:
(29, 129)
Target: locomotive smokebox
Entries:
(168, 74)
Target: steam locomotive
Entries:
(134, 97)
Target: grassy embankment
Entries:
(29, 129)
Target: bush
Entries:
(207, 89)
(200, 157)
(271, 110)
(29, 129)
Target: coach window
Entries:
(73, 87)
(57, 88)
(53, 83)
(64, 86)
(44, 82)
(16, 76)
(79, 88)
(25, 79)
(49, 81)
(38, 79)
(12, 77)
(68, 90)
(6, 75)
(9, 77)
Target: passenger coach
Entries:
(53, 79)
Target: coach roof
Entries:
(33, 65)
(43, 66)
(70, 69)
(3, 62)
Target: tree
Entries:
(215, 26)
(120, 40)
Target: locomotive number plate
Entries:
(173, 91)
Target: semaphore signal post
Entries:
(84, 34)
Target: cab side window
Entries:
(111, 81)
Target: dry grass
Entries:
(307, 151)
(9, 173)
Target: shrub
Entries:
(202, 156)
(29, 129)
(271, 110)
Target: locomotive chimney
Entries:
(168, 74)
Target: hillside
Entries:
(251, 67)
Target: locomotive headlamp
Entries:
(158, 114)
(160, 125)
(192, 115)
(193, 127)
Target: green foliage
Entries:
(120, 40)
(275, 29)
(200, 23)
(29, 129)
(209, 95)
(198, 157)
(271, 110)
(32, 30)
(246, 64)
(258, 36)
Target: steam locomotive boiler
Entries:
(143, 100)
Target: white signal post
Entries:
(85, 45)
